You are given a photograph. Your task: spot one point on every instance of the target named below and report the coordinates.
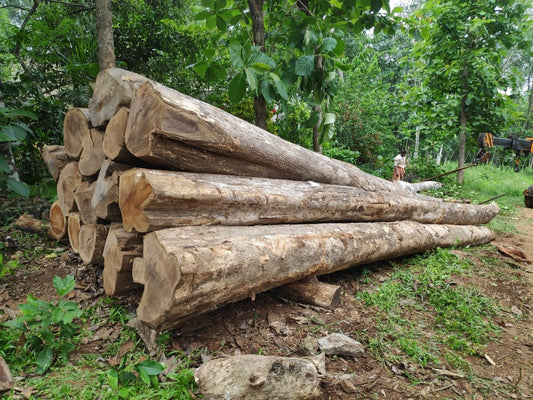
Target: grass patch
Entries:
(424, 317)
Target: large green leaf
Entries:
(304, 65)
(251, 79)
(14, 132)
(4, 166)
(329, 44)
(235, 55)
(18, 187)
(44, 360)
(237, 88)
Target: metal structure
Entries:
(519, 146)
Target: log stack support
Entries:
(199, 208)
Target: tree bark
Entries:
(58, 221)
(74, 226)
(69, 180)
(169, 129)
(76, 125)
(120, 249)
(150, 200)
(114, 88)
(104, 27)
(55, 157)
(91, 243)
(190, 270)
(105, 197)
(92, 155)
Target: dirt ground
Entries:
(270, 325)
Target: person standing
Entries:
(400, 162)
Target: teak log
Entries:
(74, 226)
(150, 200)
(55, 157)
(310, 290)
(82, 197)
(190, 270)
(76, 126)
(105, 197)
(91, 243)
(69, 180)
(114, 88)
(58, 221)
(120, 249)
(114, 145)
(170, 129)
(92, 156)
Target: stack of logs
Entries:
(205, 209)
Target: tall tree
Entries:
(104, 26)
(461, 65)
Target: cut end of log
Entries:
(74, 227)
(58, 221)
(134, 192)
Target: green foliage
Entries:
(339, 152)
(48, 329)
(7, 267)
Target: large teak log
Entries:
(91, 243)
(55, 157)
(105, 197)
(114, 144)
(150, 200)
(120, 249)
(76, 126)
(67, 183)
(74, 227)
(170, 129)
(190, 270)
(92, 155)
(82, 197)
(58, 221)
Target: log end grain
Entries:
(58, 221)
(134, 191)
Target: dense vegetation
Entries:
(362, 78)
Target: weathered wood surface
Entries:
(120, 249)
(58, 221)
(82, 197)
(170, 129)
(92, 155)
(257, 377)
(69, 180)
(150, 200)
(190, 270)
(114, 88)
(114, 144)
(310, 290)
(74, 224)
(91, 243)
(55, 157)
(105, 197)
(76, 126)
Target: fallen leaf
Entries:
(513, 253)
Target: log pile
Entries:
(204, 209)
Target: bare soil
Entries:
(270, 325)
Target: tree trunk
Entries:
(104, 27)
(76, 125)
(191, 270)
(92, 155)
(105, 197)
(120, 249)
(55, 157)
(58, 221)
(151, 200)
(82, 197)
(169, 129)
(91, 243)
(69, 180)
(74, 226)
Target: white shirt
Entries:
(399, 161)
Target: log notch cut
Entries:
(190, 270)
(69, 180)
(114, 144)
(172, 130)
(150, 200)
(74, 227)
(55, 157)
(121, 248)
(58, 221)
(76, 126)
(105, 197)
(82, 197)
(92, 155)
(91, 243)
(114, 88)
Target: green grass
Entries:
(423, 317)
